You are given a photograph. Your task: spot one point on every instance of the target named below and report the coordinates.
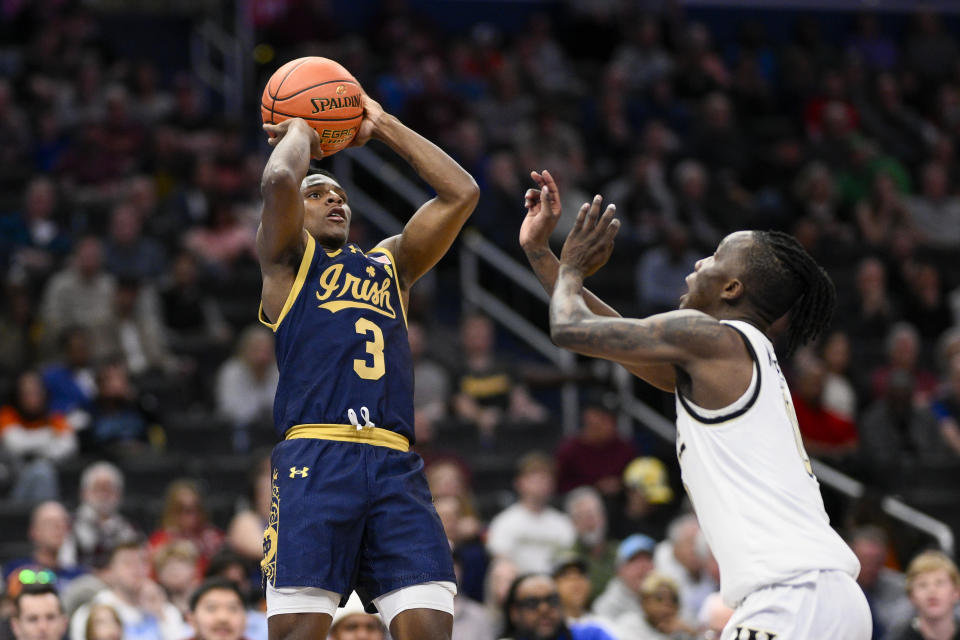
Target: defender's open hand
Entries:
(589, 244)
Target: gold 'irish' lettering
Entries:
(337, 290)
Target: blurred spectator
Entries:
(48, 533)
(870, 313)
(903, 354)
(98, 525)
(193, 319)
(245, 533)
(899, 432)
(435, 109)
(80, 294)
(597, 455)
(644, 201)
(884, 588)
(464, 535)
(129, 254)
(933, 585)
(38, 614)
(135, 331)
(683, 557)
(489, 393)
(431, 382)
(928, 45)
(662, 271)
(530, 532)
(71, 384)
(927, 308)
(825, 433)
(935, 212)
(642, 56)
(946, 407)
(646, 503)
(816, 193)
(104, 623)
(532, 610)
(217, 611)
(694, 209)
(660, 619)
(175, 567)
(224, 240)
(895, 125)
(839, 396)
(32, 239)
(185, 518)
(588, 514)
(352, 622)
(883, 215)
(634, 564)
(506, 106)
(34, 440)
(120, 424)
(142, 607)
(246, 385)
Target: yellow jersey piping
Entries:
(349, 433)
(396, 278)
(295, 289)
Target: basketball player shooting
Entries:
(782, 567)
(351, 508)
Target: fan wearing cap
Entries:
(571, 573)
(634, 563)
(647, 500)
(660, 619)
(352, 622)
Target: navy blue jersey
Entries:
(342, 347)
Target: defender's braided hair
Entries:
(781, 276)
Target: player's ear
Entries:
(732, 290)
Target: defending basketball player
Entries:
(351, 508)
(785, 570)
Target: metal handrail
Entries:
(476, 248)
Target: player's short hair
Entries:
(931, 561)
(214, 584)
(35, 589)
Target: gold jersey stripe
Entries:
(349, 433)
(295, 289)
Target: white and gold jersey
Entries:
(750, 481)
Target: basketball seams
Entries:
(313, 86)
(290, 115)
(280, 86)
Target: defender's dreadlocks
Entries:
(781, 276)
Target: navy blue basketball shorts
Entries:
(349, 515)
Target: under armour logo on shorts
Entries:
(744, 633)
(302, 473)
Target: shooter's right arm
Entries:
(280, 240)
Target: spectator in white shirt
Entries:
(530, 532)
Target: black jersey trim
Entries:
(742, 410)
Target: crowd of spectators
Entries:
(128, 211)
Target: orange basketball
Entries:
(321, 92)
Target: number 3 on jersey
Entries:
(374, 347)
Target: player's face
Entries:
(934, 594)
(40, 618)
(536, 611)
(326, 214)
(710, 274)
(219, 616)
